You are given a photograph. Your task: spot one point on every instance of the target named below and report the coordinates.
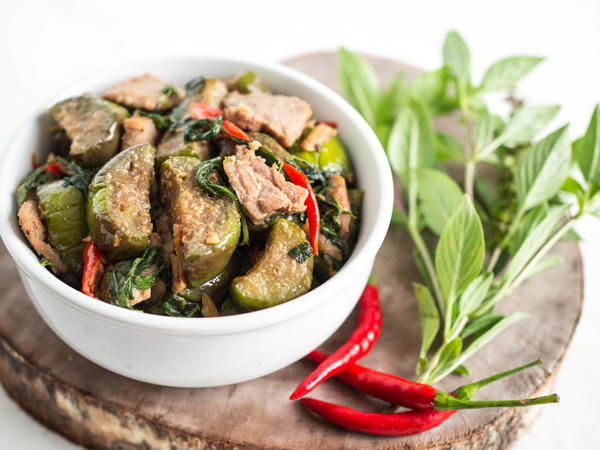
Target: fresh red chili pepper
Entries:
(331, 124)
(361, 341)
(92, 268)
(312, 206)
(55, 168)
(385, 386)
(400, 391)
(413, 422)
(233, 130)
(204, 111)
(396, 424)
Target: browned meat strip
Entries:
(156, 291)
(262, 190)
(339, 192)
(283, 117)
(30, 220)
(325, 245)
(138, 130)
(144, 92)
(319, 136)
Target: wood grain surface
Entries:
(99, 409)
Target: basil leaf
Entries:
(431, 88)
(360, 84)
(126, 276)
(427, 136)
(504, 74)
(80, 180)
(543, 169)
(301, 252)
(161, 121)
(176, 306)
(479, 324)
(474, 294)
(447, 148)
(195, 85)
(457, 56)
(536, 238)
(450, 351)
(527, 122)
(440, 196)
(587, 149)
(428, 317)
(203, 172)
(462, 370)
(403, 137)
(203, 130)
(529, 221)
(412, 141)
(485, 336)
(34, 179)
(392, 99)
(460, 251)
(572, 186)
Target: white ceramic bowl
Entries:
(201, 352)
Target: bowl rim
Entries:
(360, 258)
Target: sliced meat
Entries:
(146, 92)
(320, 135)
(329, 248)
(30, 220)
(338, 192)
(281, 116)
(138, 130)
(325, 245)
(262, 190)
(140, 295)
(208, 307)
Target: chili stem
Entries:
(445, 402)
(468, 390)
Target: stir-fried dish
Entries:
(215, 198)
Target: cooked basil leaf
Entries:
(36, 178)
(301, 252)
(203, 129)
(176, 306)
(161, 121)
(128, 275)
(203, 173)
(195, 85)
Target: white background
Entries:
(45, 45)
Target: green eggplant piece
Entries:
(218, 286)
(276, 277)
(206, 228)
(249, 82)
(118, 209)
(63, 210)
(93, 125)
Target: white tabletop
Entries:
(45, 45)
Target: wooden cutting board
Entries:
(99, 409)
